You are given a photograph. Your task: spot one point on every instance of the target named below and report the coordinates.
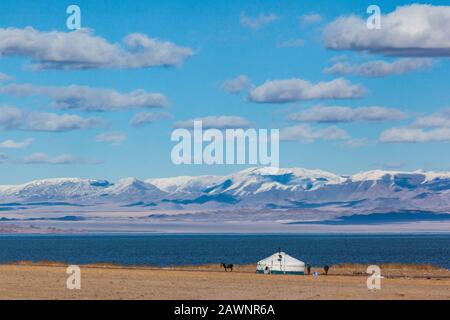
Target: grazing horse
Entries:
(326, 268)
(227, 266)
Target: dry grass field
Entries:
(105, 281)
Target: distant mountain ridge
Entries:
(280, 191)
(254, 188)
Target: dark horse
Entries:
(227, 266)
(326, 268)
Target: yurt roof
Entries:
(287, 259)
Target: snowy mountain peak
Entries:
(184, 183)
(58, 188)
(132, 187)
(375, 175)
(128, 181)
(250, 180)
(298, 172)
(259, 180)
(251, 188)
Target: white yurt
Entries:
(280, 263)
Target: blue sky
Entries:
(222, 46)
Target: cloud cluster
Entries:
(415, 135)
(415, 30)
(87, 98)
(12, 118)
(337, 114)
(11, 144)
(440, 119)
(292, 90)
(43, 158)
(215, 122)
(258, 22)
(144, 118)
(380, 68)
(306, 133)
(5, 77)
(236, 85)
(114, 138)
(435, 127)
(82, 49)
(356, 143)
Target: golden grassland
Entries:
(47, 280)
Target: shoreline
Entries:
(229, 233)
(395, 270)
(204, 227)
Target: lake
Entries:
(194, 249)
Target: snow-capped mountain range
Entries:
(255, 189)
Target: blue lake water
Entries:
(165, 250)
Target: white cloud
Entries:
(284, 91)
(339, 58)
(434, 127)
(114, 138)
(346, 114)
(415, 30)
(87, 98)
(236, 85)
(356, 143)
(415, 135)
(143, 118)
(11, 144)
(310, 19)
(258, 22)
(4, 77)
(305, 133)
(215, 122)
(82, 49)
(18, 119)
(440, 119)
(42, 158)
(294, 43)
(381, 68)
